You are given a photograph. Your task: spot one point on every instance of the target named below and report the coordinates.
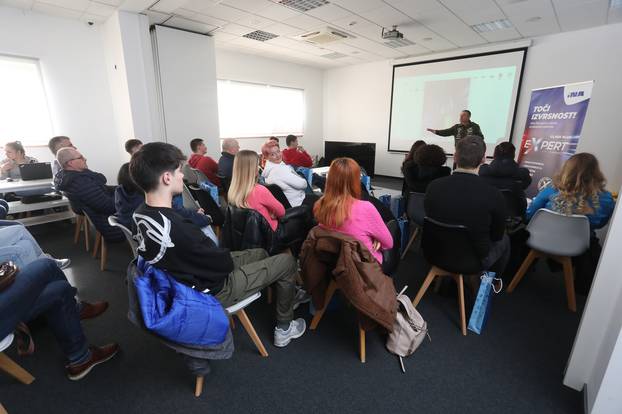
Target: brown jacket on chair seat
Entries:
(327, 254)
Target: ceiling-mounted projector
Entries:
(392, 34)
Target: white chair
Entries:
(114, 221)
(10, 367)
(559, 237)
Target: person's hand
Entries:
(431, 130)
(6, 166)
(300, 148)
(201, 211)
(376, 245)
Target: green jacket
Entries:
(460, 131)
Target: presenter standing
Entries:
(461, 130)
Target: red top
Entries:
(207, 166)
(262, 200)
(297, 158)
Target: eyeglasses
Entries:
(81, 157)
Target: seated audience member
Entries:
(295, 155)
(133, 145)
(128, 197)
(230, 147)
(262, 159)
(246, 193)
(41, 289)
(54, 145)
(88, 191)
(341, 209)
(278, 173)
(428, 165)
(15, 155)
(202, 162)
(18, 245)
(505, 174)
(170, 242)
(465, 198)
(409, 163)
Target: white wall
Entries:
(357, 98)
(252, 68)
(74, 73)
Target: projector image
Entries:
(392, 34)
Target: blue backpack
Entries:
(177, 312)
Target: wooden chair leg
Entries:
(2, 409)
(460, 281)
(533, 255)
(10, 367)
(87, 236)
(269, 295)
(104, 258)
(569, 281)
(426, 283)
(231, 322)
(76, 233)
(362, 343)
(248, 326)
(410, 242)
(198, 387)
(98, 239)
(332, 287)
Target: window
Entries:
(253, 110)
(23, 105)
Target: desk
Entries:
(19, 207)
(20, 185)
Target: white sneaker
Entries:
(296, 329)
(63, 263)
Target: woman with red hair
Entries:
(342, 210)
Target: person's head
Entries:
(579, 180)
(465, 116)
(230, 145)
(275, 139)
(198, 146)
(133, 145)
(343, 186)
(245, 170)
(59, 142)
(291, 141)
(125, 180)
(413, 149)
(14, 150)
(271, 152)
(505, 150)
(70, 159)
(430, 156)
(156, 167)
(470, 152)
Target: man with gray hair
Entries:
(87, 191)
(54, 145)
(230, 147)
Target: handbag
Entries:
(481, 308)
(8, 273)
(178, 312)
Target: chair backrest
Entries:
(244, 228)
(279, 195)
(189, 202)
(114, 221)
(190, 174)
(207, 203)
(391, 257)
(557, 234)
(449, 247)
(414, 209)
(512, 203)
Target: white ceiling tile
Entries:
(451, 28)
(56, 11)
(115, 3)
(285, 42)
(413, 50)
(215, 10)
(413, 7)
(250, 6)
(221, 36)
(302, 21)
(501, 35)
(483, 15)
(277, 12)
(357, 6)
(93, 18)
(156, 17)
(283, 29)
(79, 5)
(100, 9)
(20, 4)
(199, 17)
(583, 15)
(254, 21)
(134, 6)
(167, 6)
(519, 13)
(186, 24)
(421, 34)
(386, 16)
(329, 13)
(236, 29)
(368, 29)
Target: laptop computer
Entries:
(35, 171)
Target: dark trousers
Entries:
(498, 256)
(41, 288)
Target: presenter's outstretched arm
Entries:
(444, 132)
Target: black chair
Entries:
(448, 248)
(208, 204)
(415, 213)
(279, 195)
(391, 257)
(515, 206)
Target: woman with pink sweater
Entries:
(341, 210)
(244, 192)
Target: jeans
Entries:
(18, 245)
(498, 256)
(41, 288)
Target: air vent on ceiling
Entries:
(334, 55)
(260, 35)
(399, 43)
(321, 37)
(302, 5)
(492, 26)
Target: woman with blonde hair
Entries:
(15, 156)
(244, 192)
(341, 209)
(579, 188)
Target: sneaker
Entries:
(63, 263)
(99, 355)
(92, 310)
(301, 297)
(296, 329)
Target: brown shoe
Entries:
(98, 355)
(92, 310)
